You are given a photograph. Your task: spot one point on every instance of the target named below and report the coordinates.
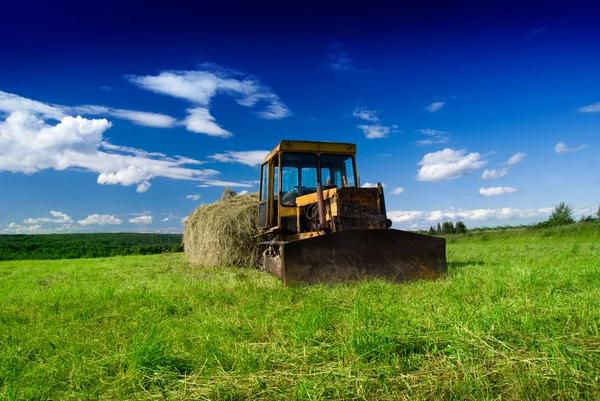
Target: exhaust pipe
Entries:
(321, 207)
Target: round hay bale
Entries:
(221, 233)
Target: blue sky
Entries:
(121, 117)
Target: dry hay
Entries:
(221, 233)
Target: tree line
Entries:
(74, 246)
(447, 227)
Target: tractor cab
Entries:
(295, 169)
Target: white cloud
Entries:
(339, 61)
(375, 131)
(425, 142)
(201, 86)
(184, 219)
(219, 183)
(170, 216)
(405, 216)
(141, 220)
(133, 151)
(275, 111)
(14, 228)
(371, 185)
(10, 103)
(144, 118)
(473, 215)
(516, 158)
(562, 148)
(448, 164)
(100, 219)
(496, 191)
(200, 121)
(432, 132)
(193, 197)
(143, 187)
(365, 114)
(494, 173)
(592, 108)
(435, 106)
(397, 191)
(59, 218)
(249, 158)
(28, 145)
(243, 192)
(436, 137)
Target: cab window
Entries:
(337, 171)
(298, 176)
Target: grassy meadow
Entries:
(517, 317)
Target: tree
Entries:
(439, 228)
(447, 227)
(598, 213)
(561, 215)
(460, 227)
(431, 231)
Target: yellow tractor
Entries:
(317, 225)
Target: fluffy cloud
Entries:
(14, 228)
(193, 197)
(249, 158)
(243, 192)
(397, 191)
(100, 219)
(200, 121)
(365, 114)
(423, 218)
(10, 103)
(495, 191)
(592, 108)
(141, 220)
(448, 164)
(516, 158)
(28, 145)
(339, 61)
(494, 173)
(562, 148)
(143, 187)
(375, 131)
(201, 86)
(59, 218)
(435, 106)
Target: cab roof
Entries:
(312, 147)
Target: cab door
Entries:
(263, 203)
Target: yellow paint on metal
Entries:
(312, 147)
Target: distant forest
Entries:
(74, 246)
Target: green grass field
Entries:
(517, 317)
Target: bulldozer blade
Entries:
(354, 255)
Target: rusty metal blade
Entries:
(354, 255)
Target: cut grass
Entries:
(517, 317)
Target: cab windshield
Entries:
(300, 174)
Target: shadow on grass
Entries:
(460, 265)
